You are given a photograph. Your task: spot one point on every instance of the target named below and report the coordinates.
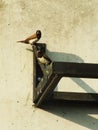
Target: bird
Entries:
(35, 36)
(40, 54)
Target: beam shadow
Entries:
(65, 57)
(81, 114)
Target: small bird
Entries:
(40, 55)
(43, 58)
(36, 36)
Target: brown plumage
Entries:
(36, 36)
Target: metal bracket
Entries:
(45, 78)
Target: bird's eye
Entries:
(38, 32)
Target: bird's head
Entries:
(38, 34)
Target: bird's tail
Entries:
(23, 41)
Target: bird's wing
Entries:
(31, 37)
(26, 41)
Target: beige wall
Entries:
(70, 29)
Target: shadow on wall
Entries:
(80, 114)
(65, 57)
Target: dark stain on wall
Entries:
(2, 4)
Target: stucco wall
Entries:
(70, 29)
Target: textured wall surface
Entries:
(70, 29)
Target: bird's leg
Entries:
(34, 42)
